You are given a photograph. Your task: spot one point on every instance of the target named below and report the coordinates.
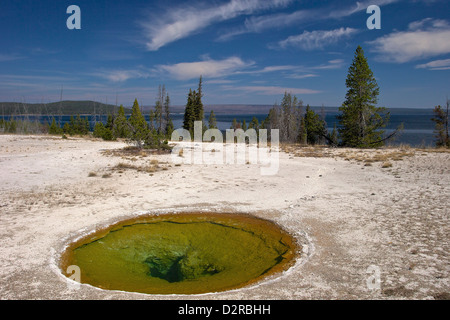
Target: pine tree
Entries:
(441, 125)
(334, 136)
(99, 128)
(109, 121)
(361, 121)
(315, 127)
(244, 125)
(234, 124)
(254, 124)
(54, 128)
(212, 123)
(138, 126)
(199, 113)
(194, 109)
(303, 133)
(120, 127)
(189, 116)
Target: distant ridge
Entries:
(88, 107)
(66, 107)
(223, 108)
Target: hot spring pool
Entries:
(184, 253)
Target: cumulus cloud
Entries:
(317, 39)
(183, 21)
(208, 68)
(424, 39)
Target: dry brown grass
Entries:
(368, 157)
(306, 151)
(153, 167)
(371, 156)
(133, 153)
(386, 164)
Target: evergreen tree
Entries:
(234, 124)
(334, 136)
(441, 125)
(78, 128)
(54, 128)
(109, 121)
(12, 127)
(99, 128)
(138, 126)
(212, 123)
(87, 126)
(254, 124)
(67, 128)
(361, 121)
(315, 127)
(189, 115)
(120, 127)
(198, 109)
(303, 133)
(194, 109)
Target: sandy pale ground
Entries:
(352, 218)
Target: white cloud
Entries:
(359, 6)
(261, 23)
(279, 20)
(317, 39)
(436, 65)
(122, 75)
(303, 76)
(181, 22)
(269, 69)
(208, 68)
(423, 39)
(332, 64)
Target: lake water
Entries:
(418, 127)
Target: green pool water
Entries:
(182, 253)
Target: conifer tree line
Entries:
(152, 134)
(194, 108)
(360, 122)
(296, 124)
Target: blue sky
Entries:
(249, 52)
